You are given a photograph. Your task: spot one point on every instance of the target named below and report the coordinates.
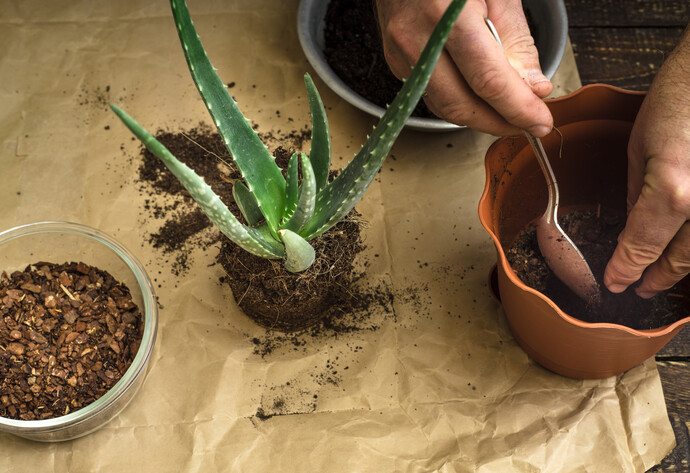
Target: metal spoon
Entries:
(559, 251)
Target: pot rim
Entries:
(139, 364)
(599, 85)
(510, 273)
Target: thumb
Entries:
(519, 45)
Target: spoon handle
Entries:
(552, 185)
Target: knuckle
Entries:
(618, 273)
(489, 83)
(454, 112)
(669, 183)
(677, 259)
(524, 47)
(396, 32)
(679, 198)
(677, 269)
(638, 256)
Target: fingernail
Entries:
(535, 76)
(617, 288)
(539, 130)
(645, 294)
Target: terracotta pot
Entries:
(595, 122)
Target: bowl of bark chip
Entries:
(589, 158)
(341, 41)
(78, 318)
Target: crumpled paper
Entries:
(433, 382)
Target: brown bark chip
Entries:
(68, 332)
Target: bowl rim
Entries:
(141, 359)
(316, 58)
(507, 269)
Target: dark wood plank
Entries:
(624, 57)
(616, 13)
(623, 43)
(676, 384)
(677, 348)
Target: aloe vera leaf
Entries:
(247, 203)
(307, 197)
(255, 162)
(341, 195)
(320, 153)
(250, 239)
(291, 186)
(299, 254)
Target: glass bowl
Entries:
(61, 242)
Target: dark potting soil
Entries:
(354, 51)
(596, 236)
(277, 299)
(68, 333)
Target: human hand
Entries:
(475, 83)
(656, 238)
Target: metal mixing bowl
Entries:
(548, 19)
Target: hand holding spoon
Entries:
(559, 251)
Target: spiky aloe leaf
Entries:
(307, 197)
(320, 153)
(292, 186)
(341, 195)
(299, 254)
(253, 240)
(256, 164)
(247, 203)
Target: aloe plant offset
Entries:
(283, 213)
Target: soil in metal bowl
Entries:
(596, 235)
(354, 50)
(68, 333)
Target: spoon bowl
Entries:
(559, 251)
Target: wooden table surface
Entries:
(623, 43)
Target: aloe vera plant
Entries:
(283, 213)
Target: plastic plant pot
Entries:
(595, 122)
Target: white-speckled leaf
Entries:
(307, 196)
(336, 200)
(320, 153)
(246, 201)
(248, 238)
(256, 164)
(299, 254)
(291, 186)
